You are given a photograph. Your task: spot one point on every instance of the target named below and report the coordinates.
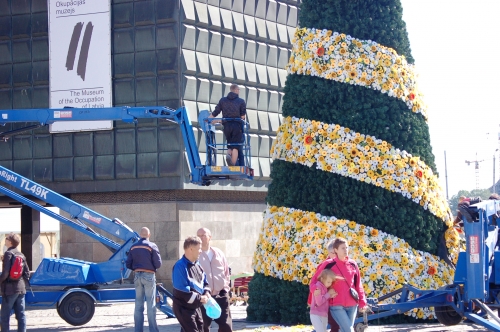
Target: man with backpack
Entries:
(15, 275)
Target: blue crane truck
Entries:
(75, 286)
(475, 291)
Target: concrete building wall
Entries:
(235, 229)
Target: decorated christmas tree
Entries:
(352, 158)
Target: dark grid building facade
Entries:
(164, 52)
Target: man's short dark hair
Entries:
(191, 241)
(233, 87)
(14, 239)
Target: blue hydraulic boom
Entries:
(201, 174)
(70, 272)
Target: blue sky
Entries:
(455, 46)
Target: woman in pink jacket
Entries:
(343, 307)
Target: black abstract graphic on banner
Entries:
(84, 48)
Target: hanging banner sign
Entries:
(80, 59)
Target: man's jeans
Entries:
(16, 302)
(145, 287)
(344, 316)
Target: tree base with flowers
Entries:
(352, 159)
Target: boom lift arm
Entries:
(74, 285)
(76, 211)
(200, 174)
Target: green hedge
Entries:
(273, 300)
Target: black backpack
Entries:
(475, 200)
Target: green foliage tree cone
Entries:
(363, 110)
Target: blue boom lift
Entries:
(200, 174)
(476, 287)
(74, 286)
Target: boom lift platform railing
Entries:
(209, 127)
(476, 287)
(74, 286)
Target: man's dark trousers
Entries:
(189, 319)
(224, 321)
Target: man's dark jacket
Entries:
(11, 287)
(231, 106)
(144, 255)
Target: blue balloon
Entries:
(213, 309)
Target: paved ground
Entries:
(119, 318)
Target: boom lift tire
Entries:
(363, 326)
(360, 327)
(77, 309)
(446, 315)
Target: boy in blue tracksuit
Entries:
(191, 288)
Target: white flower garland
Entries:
(342, 58)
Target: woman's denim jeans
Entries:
(344, 316)
(14, 302)
(145, 287)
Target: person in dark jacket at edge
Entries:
(463, 203)
(144, 259)
(232, 107)
(13, 291)
(191, 288)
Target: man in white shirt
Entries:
(214, 263)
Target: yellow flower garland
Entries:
(362, 157)
(293, 242)
(342, 58)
